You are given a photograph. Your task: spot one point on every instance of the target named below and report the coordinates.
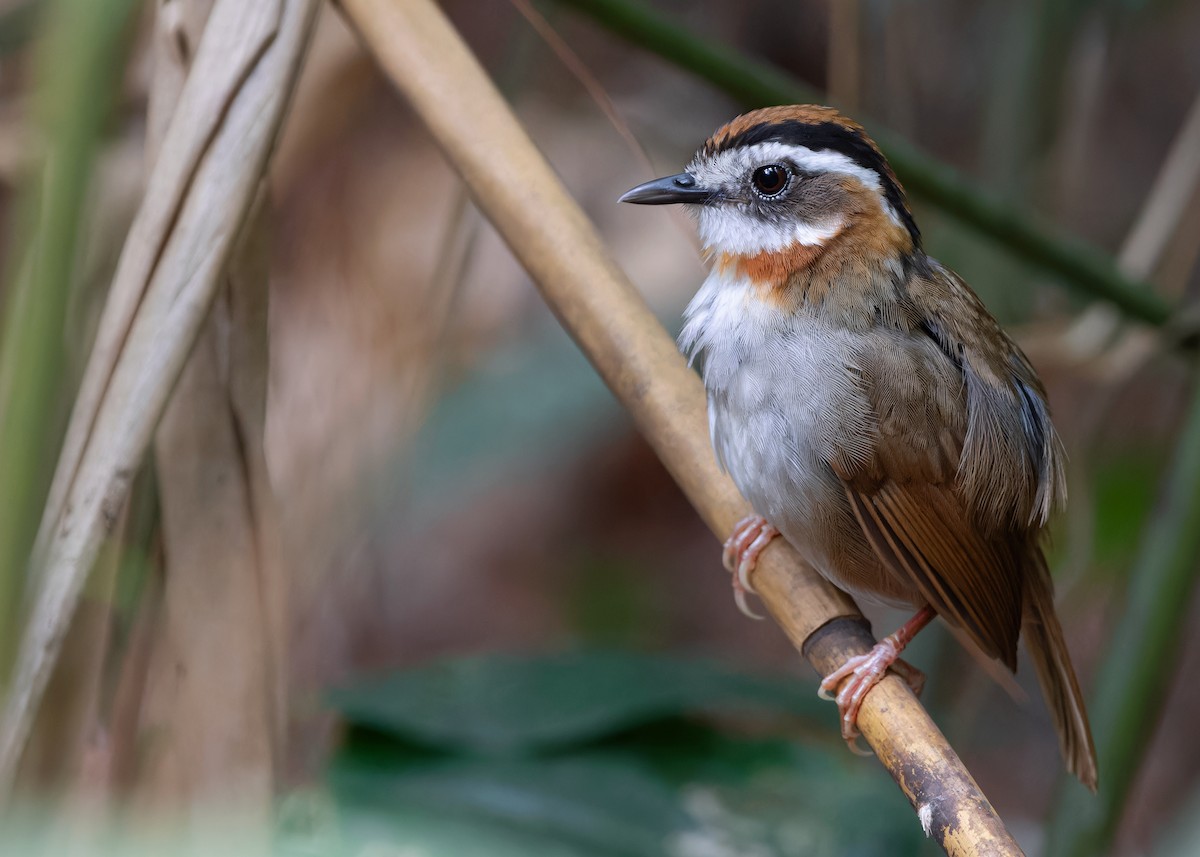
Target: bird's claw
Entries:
(861, 673)
(853, 746)
(749, 538)
(739, 598)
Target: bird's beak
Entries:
(671, 189)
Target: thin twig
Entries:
(548, 232)
(571, 61)
(595, 90)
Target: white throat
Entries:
(725, 229)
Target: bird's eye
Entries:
(770, 180)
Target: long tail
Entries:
(1044, 640)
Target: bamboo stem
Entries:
(549, 234)
(1079, 264)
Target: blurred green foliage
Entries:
(603, 754)
(1125, 486)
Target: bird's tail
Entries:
(1044, 640)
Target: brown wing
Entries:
(1012, 468)
(923, 533)
(909, 505)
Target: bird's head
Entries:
(778, 186)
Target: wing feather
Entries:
(920, 510)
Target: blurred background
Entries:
(505, 629)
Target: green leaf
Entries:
(804, 799)
(595, 754)
(403, 832)
(595, 803)
(672, 788)
(499, 704)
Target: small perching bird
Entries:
(868, 405)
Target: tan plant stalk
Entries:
(213, 705)
(515, 187)
(1174, 195)
(844, 64)
(205, 179)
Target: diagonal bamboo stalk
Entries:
(545, 228)
(209, 169)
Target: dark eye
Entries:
(771, 179)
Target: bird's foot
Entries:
(862, 672)
(750, 537)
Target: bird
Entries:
(867, 404)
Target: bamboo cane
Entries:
(515, 187)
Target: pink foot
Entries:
(863, 672)
(750, 537)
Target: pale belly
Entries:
(779, 404)
(771, 444)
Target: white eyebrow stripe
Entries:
(809, 160)
(731, 166)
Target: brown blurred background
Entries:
(451, 477)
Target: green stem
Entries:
(79, 65)
(1079, 264)
(1142, 656)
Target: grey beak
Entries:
(664, 191)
